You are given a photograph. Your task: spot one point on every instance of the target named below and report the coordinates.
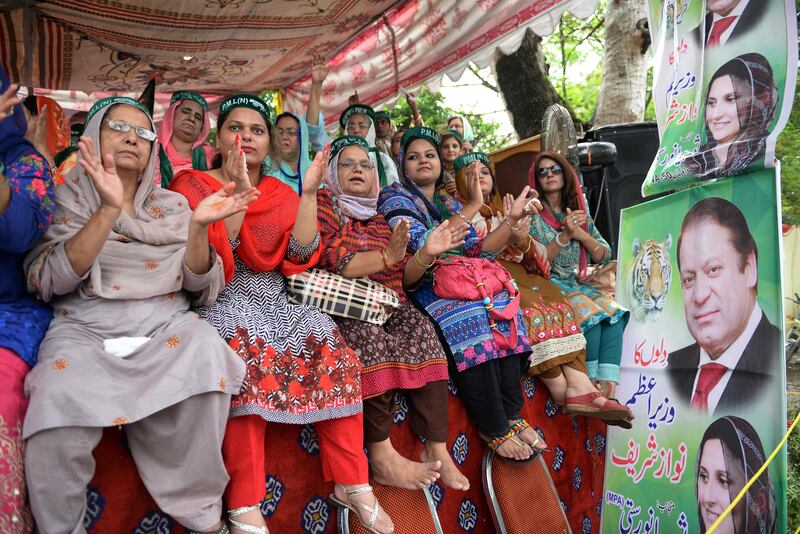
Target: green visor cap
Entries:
(469, 159)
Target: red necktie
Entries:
(710, 375)
(717, 29)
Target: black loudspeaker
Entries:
(611, 188)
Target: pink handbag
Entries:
(460, 278)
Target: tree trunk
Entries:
(526, 89)
(622, 91)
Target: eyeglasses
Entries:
(357, 126)
(291, 132)
(124, 127)
(351, 165)
(556, 169)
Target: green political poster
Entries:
(724, 82)
(702, 362)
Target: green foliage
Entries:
(788, 151)
(575, 57)
(433, 110)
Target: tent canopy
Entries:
(374, 47)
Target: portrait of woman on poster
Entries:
(730, 453)
(739, 110)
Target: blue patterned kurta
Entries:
(590, 305)
(464, 324)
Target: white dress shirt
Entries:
(729, 358)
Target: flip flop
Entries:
(374, 510)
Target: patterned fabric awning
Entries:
(225, 46)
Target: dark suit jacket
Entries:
(749, 17)
(754, 374)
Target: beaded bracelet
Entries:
(463, 218)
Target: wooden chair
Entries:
(511, 164)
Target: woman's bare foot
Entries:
(389, 468)
(514, 448)
(532, 438)
(451, 476)
(364, 503)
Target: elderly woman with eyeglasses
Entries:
(572, 240)
(121, 264)
(402, 354)
(359, 120)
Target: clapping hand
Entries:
(473, 183)
(223, 204)
(313, 176)
(235, 167)
(396, 249)
(443, 238)
(573, 222)
(103, 174)
(8, 100)
(319, 70)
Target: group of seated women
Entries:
(164, 311)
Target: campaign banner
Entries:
(723, 87)
(702, 362)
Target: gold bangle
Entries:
(419, 262)
(530, 242)
(513, 228)
(596, 247)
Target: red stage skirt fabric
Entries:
(296, 493)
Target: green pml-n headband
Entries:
(340, 143)
(245, 100)
(469, 159)
(421, 132)
(360, 109)
(112, 101)
(382, 116)
(180, 96)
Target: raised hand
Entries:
(353, 99)
(8, 100)
(444, 238)
(313, 176)
(319, 70)
(518, 206)
(473, 183)
(235, 167)
(223, 204)
(396, 249)
(411, 99)
(103, 174)
(523, 228)
(572, 223)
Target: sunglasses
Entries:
(556, 169)
(124, 127)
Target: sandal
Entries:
(221, 530)
(584, 405)
(250, 529)
(494, 443)
(519, 425)
(355, 506)
(624, 422)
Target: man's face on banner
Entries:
(723, 7)
(718, 291)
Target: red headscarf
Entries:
(58, 130)
(265, 232)
(576, 202)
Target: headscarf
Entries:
(468, 135)
(741, 447)
(349, 206)
(157, 230)
(385, 144)
(756, 102)
(495, 204)
(548, 215)
(170, 162)
(282, 170)
(375, 154)
(59, 134)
